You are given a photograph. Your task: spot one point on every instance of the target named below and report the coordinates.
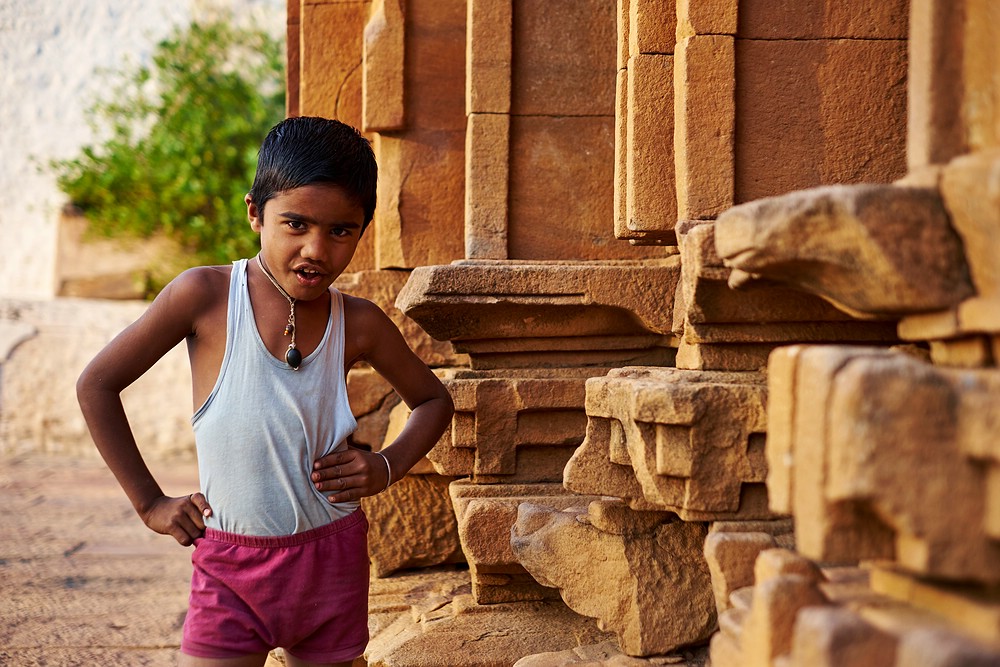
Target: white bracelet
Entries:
(388, 470)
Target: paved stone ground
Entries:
(82, 580)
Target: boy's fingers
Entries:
(201, 503)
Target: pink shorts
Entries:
(306, 593)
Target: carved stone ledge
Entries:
(688, 442)
(641, 574)
(534, 314)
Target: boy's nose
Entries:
(312, 247)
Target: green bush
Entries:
(180, 142)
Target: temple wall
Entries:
(714, 287)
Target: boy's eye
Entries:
(340, 231)
(296, 224)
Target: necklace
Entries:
(292, 356)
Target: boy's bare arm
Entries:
(352, 474)
(168, 320)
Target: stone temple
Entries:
(715, 286)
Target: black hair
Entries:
(305, 150)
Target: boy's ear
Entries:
(253, 214)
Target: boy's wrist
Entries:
(388, 470)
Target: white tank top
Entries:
(263, 425)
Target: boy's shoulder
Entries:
(197, 288)
(203, 280)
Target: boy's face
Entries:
(308, 236)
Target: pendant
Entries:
(293, 358)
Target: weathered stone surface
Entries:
(652, 588)
(564, 59)
(487, 183)
(823, 19)
(420, 198)
(652, 26)
(486, 513)
(425, 535)
(970, 188)
(609, 654)
(568, 158)
(650, 192)
(685, 459)
(704, 125)
(937, 129)
(489, 29)
(731, 558)
(439, 632)
(812, 113)
(976, 611)
(728, 330)
(382, 68)
(886, 450)
(767, 631)
(701, 17)
(863, 248)
(836, 637)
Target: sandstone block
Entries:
(930, 647)
(731, 558)
(937, 130)
(697, 17)
(383, 288)
(652, 26)
(704, 125)
(863, 248)
(486, 513)
(653, 589)
(608, 653)
(835, 530)
(974, 611)
(571, 159)
(767, 632)
(624, 41)
(488, 56)
(331, 57)
(420, 199)
(506, 632)
(422, 535)
(651, 197)
(824, 19)
(564, 58)
(970, 188)
(382, 68)
(487, 155)
(790, 137)
(883, 451)
(835, 637)
(293, 67)
(967, 352)
(773, 563)
(726, 329)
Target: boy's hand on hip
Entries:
(182, 518)
(350, 475)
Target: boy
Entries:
(277, 562)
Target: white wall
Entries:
(49, 52)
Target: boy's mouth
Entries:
(308, 277)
